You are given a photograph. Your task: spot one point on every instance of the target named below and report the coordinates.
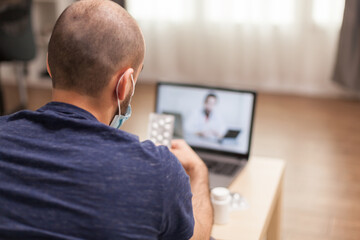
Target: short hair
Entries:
(209, 95)
(90, 42)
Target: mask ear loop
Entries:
(117, 93)
(117, 90)
(133, 82)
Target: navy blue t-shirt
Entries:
(65, 175)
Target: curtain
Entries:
(280, 45)
(347, 70)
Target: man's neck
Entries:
(94, 105)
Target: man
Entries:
(66, 174)
(206, 123)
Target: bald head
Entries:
(92, 40)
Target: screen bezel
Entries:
(202, 149)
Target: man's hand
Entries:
(198, 173)
(188, 158)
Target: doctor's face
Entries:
(210, 104)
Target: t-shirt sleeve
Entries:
(178, 219)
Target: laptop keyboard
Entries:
(222, 168)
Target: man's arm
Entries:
(199, 181)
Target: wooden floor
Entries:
(320, 141)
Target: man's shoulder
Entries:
(3, 119)
(159, 154)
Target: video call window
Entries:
(209, 118)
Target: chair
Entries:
(17, 43)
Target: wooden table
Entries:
(260, 183)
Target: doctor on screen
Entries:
(206, 122)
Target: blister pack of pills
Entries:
(161, 128)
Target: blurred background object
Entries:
(347, 69)
(17, 43)
(37, 27)
(120, 2)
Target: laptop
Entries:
(216, 122)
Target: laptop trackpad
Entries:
(222, 169)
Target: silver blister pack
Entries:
(161, 128)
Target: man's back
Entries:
(65, 175)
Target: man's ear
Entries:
(124, 86)
(47, 65)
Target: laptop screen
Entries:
(209, 118)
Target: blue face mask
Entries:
(119, 119)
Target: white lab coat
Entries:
(212, 128)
